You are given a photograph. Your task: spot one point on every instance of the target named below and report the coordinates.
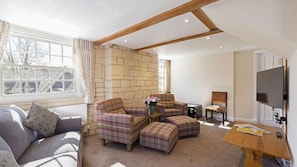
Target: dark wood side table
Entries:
(155, 117)
(195, 110)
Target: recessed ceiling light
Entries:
(125, 40)
(208, 37)
(221, 47)
(187, 20)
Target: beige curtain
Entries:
(83, 50)
(4, 34)
(167, 65)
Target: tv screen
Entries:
(270, 87)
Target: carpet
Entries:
(205, 150)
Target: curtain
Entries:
(167, 65)
(4, 33)
(83, 50)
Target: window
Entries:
(34, 66)
(164, 76)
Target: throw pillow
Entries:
(118, 111)
(7, 159)
(42, 120)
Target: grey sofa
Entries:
(22, 146)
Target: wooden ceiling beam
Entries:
(199, 13)
(187, 7)
(180, 39)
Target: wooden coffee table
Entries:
(155, 117)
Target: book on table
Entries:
(250, 129)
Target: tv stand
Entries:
(255, 147)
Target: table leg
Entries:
(252, 158)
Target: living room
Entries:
(193, 78)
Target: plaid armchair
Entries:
(167, 106)
(118, 123)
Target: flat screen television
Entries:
(270, 87)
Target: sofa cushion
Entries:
(17, 136)
(67, 159)
(51, 146)
(7, 159)
(4, 146)
(42, 120)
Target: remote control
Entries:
(279, 135)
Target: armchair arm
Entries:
(67, 124)
(161, 108)
(137, 111)
(116, 121)
(182, 106)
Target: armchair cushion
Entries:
(168, 104)
(118, 111)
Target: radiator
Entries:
(72, 110)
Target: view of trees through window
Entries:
(31, 66)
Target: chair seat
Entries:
(216, 108)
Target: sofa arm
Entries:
(67, 124)
(182, 106)
(122, 121)
(137, 111)
(161, 108)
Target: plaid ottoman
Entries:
(187, 126)
(159, 135)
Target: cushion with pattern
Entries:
(42, 120)
(118, 111)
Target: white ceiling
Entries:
(95, 19)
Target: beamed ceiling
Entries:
(158, 27)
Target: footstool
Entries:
(187, 126)
(159, 135)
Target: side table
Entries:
(155, 117)
(194, 110)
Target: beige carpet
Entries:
(206, 150)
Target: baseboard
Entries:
(245, 120)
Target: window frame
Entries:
(38, 36)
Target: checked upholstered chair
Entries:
(167, 106)
(118, 123)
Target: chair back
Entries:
(165, 97)
(219, 98)
(110, 105)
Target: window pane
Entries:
(67, 62)
(43, 73)
(10, 73)
(42, 47)
(28, 73)
(69, 86)
(44, 86)
(57, 86)
(13, 44)
(27, 58)
(27, 45)
(11, 58)
(56, 61)
(28, 87)
(68, 74)
(57, 74)
(42, 59)
(56, 49)
(11, 87)
(67, 51)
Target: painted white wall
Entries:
(292, 108)
(244, 86)
(193, 79)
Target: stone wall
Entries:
(122, 72)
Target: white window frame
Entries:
(41, 36)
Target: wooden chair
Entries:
(218, 105)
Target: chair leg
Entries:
(206, 114)
(102, 142)
(223, 117)
(129, 147)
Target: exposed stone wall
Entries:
(122, 72)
